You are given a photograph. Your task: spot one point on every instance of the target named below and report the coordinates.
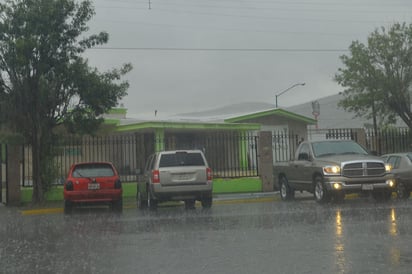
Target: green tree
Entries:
(45, 83)
(377, 77)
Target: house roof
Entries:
(218, 119)
(276, 112)
(186, 125)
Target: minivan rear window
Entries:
(181, 159)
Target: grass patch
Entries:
(220, 186)
(238, 185)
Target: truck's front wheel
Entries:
(402, 192)
(382, 195)
(339, 197)
(286, 192)
(321, 194)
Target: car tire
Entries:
(285, 191)
(141, 200)
(151, 203)
(68, 207)
(207, 202)
(382, 195)
(190, 204)
(402, 193)
(320, 192)
(117, 206)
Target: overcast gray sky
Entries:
(191, 55)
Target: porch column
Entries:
(159, 139)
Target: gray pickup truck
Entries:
(330, 169)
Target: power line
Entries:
(223, 49)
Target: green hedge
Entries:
(220, 186)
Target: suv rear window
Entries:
(93, 170)
(181, 159)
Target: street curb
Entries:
(232, 198)
(41, 211)
(242, 196)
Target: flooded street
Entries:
(358, 236)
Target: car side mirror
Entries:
(303, 156)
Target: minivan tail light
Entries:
(155, 176)
(209, 174)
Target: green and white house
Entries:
(200, 131)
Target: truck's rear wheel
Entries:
(286, 192)
(321, 194)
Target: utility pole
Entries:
(150, 5)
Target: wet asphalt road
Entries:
(358, 236)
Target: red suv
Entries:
(93, 183)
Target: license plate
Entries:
(94, 186)
(367, 187)
(184, 176)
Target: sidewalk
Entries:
(244, 196)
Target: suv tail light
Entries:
(155, 176)
(209, 174)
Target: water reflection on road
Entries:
(358, 236)
(369, 238)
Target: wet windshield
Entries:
(337, 147)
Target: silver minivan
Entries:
(177, 175)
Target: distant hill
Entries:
(331, 116)
(234, 109)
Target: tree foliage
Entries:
(377, 77)
(45, 82)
